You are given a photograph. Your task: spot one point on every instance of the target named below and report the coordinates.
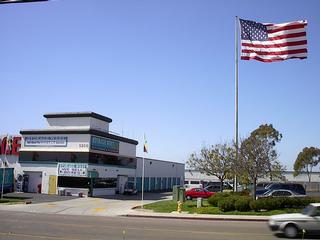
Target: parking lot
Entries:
(116, 205)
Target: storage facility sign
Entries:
(104, 144)
(73, 169)
(45, 141)
(10, 145)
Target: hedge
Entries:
(230, 202)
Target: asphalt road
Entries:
(31, 226)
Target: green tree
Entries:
(258, 156)
(307, 159)
(214, 161)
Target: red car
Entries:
(198, 192)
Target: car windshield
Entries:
(268, 186)
(130, 184)
(268, 192)
(307, 210)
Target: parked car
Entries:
(213, 188)
(129, 188)
(293, 224)
(280, 193)
(263, 185)
(192, 184)
(198, 192)
(295, 187)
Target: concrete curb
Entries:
(205, 217)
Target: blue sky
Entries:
(164, 68)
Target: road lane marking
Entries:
(51, 205)
(152, 229)
(99, 209)
(36, 236)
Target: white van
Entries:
(188, 184)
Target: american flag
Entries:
(273, 42)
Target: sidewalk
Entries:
(175, 215)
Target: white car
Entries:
(291, 225)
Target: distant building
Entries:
(195, 177)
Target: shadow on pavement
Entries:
(307, 236)
(146, 196)
(38, 198)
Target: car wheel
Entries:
(189, 198)
(290, 231)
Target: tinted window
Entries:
(104, 183)
(73, 182)
(53, 157)
(277, 193)
(195, 182)
(317, 211)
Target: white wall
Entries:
(159, 168)
(46, 170)
(75, 143)
(77, 123)
(111, 172)
(79, 143)
(196, 175)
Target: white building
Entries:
(159, 174)
(194, 177)
(77, 153)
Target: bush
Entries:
(226, 205)
(256, 205)
(213, 200)
(223, 194)
(273, 203)
(242, 204)
(245, 192)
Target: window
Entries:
(195, 182)
(317, 211)
(53, 156)
(105, 183)
(73, 182)
(98, 158)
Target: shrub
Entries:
(226, 205)
(258, 205)
(245, 192)
(223, 194)
(272, 203)
(213, 200)
(242, 204)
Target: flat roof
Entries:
(159, 160)
(78, 114)
(79, 131)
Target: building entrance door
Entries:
(52, 184)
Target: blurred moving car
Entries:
(280, 193)
(198, 192)
(293, 224)
(129, 188)
(295, 187)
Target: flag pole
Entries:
(142, 182)
(236, 98)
